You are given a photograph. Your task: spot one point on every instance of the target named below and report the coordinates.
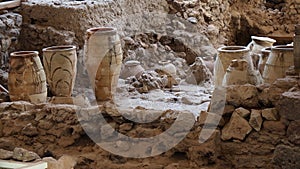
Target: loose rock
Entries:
(256, 119)
(237, 128)
(270, 114)
(21, 154)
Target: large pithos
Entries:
(103, 60)
(225, 56)
(60, 67)
(27, 79)
(280, 59)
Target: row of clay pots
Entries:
(103, 58)
(235, 65)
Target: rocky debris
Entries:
(286, 157)
(5, 155)
(256, 120)
(21, 154)
(236, 128)
(198, 73)
(151, 80)
(288, 106)
(270, 114)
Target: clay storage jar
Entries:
(236, 73)
(265, 53)
(132, 68)
(279, 61)
(60, 67)
(103, 60)
(26, 78)
(225, 56)
(256, 46)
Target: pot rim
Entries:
(101, 30)
(24, 54)
(282, 47)
(266, 50)
(232, 49)
(59, 48)
(263, 39)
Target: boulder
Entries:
(256, 120)
(242, 112)
(270, 114)
(237, 128)
(286, 157)
(293, 132)
(21, 154)
(288, 106)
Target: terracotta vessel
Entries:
(26, 79)
(238, 73)
(131, 68)
(60, 67)
(225, 56)
(256, 46)
(279, 61)
(103, 60)
(263, 57)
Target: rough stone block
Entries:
(244, 96)
(256, 119)
(270, 114)
(242, 112)
(275, 127)
(288, 106)
(237, 128)
(286, 157)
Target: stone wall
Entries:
(48, 23)
(10, 26)
(258, 129)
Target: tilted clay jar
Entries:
(256, 46)
(103, 60)
(60, 67)
(263, 57)
(26, 78)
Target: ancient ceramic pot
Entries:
(60, 67)
(132, 68)
(238, 73)
(279, 61)
(225, 56)
(26, 79)
(256, 46)
(103, 60)
(263, 57)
